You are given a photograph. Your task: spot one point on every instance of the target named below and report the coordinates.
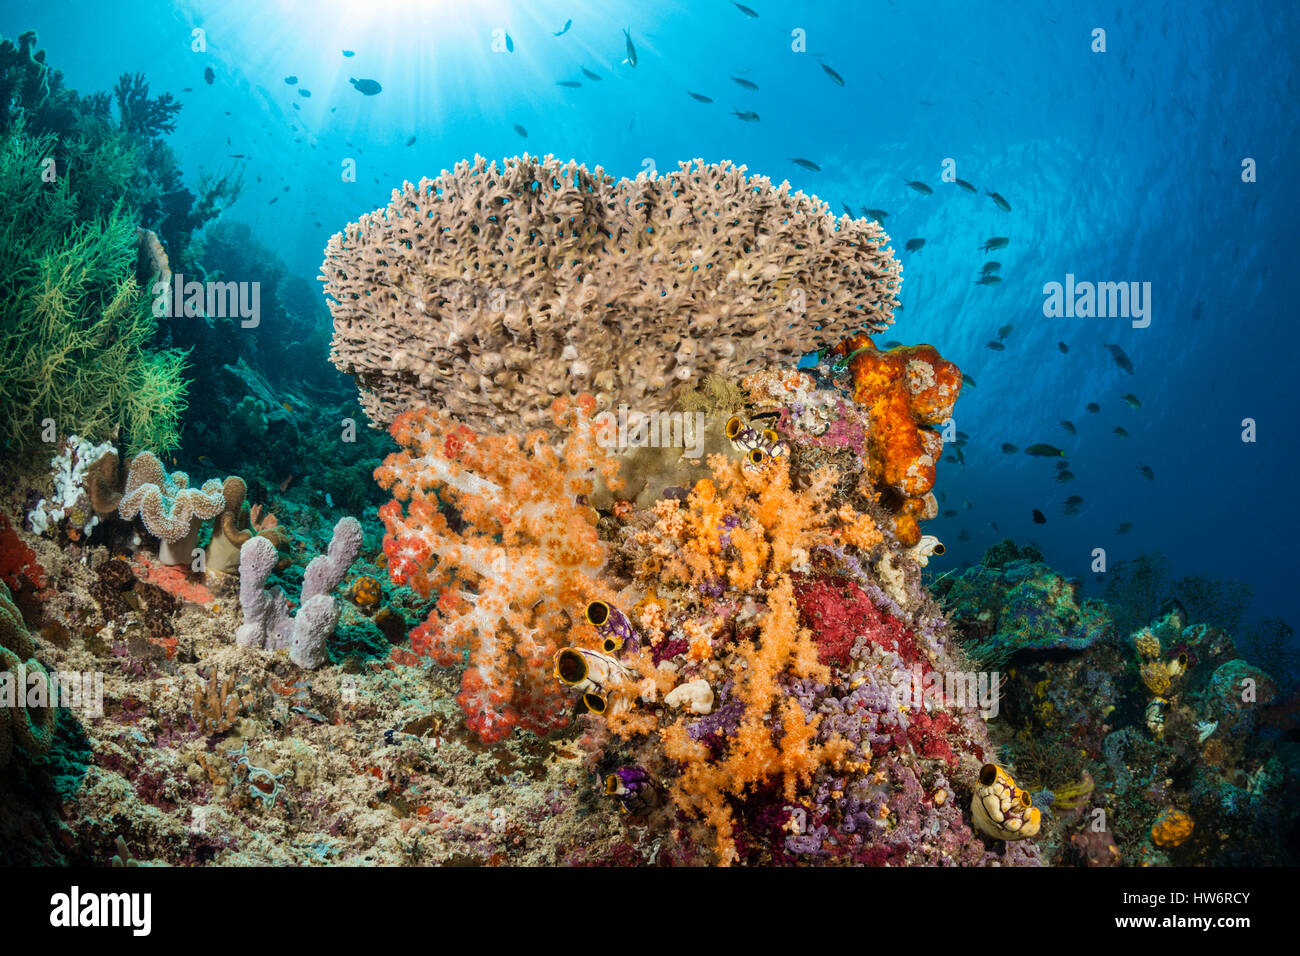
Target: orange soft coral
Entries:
(775, 739)
(517, 557)
(744, 525)
(906, 391)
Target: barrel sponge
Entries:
(489, 291)
(166, 503)
(32, 726)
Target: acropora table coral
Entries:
(517, 561)
(489, 290)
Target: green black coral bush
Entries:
(75, 326)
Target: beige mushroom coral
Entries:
(489, 291)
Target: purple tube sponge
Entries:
(267, 622)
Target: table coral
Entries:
(513, 561)
(490, 290)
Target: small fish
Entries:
(1131, 400)
(964, 535)
(1196, 312)
(1147, 473)
(848, 210)
(1062, 465)
(297, 106)
(274, 201)
(1093, 407)
(187, 89)
(521, 131)
(996, 242)
(209, 76)
(590, 75)
(238, 156)
(1001, 203)
(1069, 426)
(564, 29)
(961, 459)
(291, 80)
(1120, 358)
(366, 86)
(349, 53)
(701, 97)
(286, 406)
(1124, 528)
(569, 84)
(1042, 450)
(748, 116)
(205, 461)
(967, 506)
(1072, 505)
(1119, 432)
(1064, 476)
(920, 187)
(965, 185)
(1065, 349)
(631, 50)
(510, 43)
(914, 245)
(807, 164)
(1039, 517)
(989, 279)
(950, 513)
(835, 77)
(995, 346)
(1004, 331)
(303, 91)
(1008, 448)
(968, 380)
(744, 83)
(745, 10)
(411, 141)
(990, 266)
(877, 214)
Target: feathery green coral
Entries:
(75, 326)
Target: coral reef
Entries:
(1006, 605)
(491, 290)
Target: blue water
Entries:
(1119, 166)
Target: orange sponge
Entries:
(906, 391)
(1171, 828)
